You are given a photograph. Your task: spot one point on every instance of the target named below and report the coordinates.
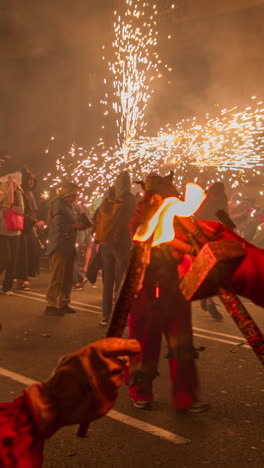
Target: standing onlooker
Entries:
(214, 208)
(112, 231)
(29, 251)
(215, 202)
(61, 249)
(239, 209)
(10, 199)
(79, 278)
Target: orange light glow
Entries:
(161, 223)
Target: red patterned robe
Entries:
(20, 446)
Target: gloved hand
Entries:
(83, 387)
(248, 278)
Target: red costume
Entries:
(248, 279)
(81, 389)
(160, 308)
(20, 446)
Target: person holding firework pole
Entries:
(189, 260)
(160, 308)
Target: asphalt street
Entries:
(231, 434)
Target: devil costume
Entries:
(160, 308)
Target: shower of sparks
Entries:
(233, 140)
(220, 147)
(133, 70)
(223, 148)
(4, 159)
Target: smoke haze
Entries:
(52, 68)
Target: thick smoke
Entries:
(215, 60)
(53, 69)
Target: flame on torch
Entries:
(161, 224)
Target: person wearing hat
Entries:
(113, 234)
(63, 227)
(28, 260)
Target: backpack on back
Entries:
(108, 221)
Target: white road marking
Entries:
(17, 377)
(222, 341)
(29, 297)
(123, 418)
(43, 300)
(29, 293)
(241, 340)
(88, 305)
(154, 430)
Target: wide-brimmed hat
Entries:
(66, 190)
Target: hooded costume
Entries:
(113, 233)
(29, 251)
(61, 249)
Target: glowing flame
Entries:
(161, 224)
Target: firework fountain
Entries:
(231, 141)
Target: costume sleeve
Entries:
(20, 446)
(248, 279)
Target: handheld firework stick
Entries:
(132, 284)
(214, 265)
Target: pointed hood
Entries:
(122, 184)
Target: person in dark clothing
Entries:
(214, 208)
(29, 249)
(215, 201)
(61, 250)
(112, 231)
